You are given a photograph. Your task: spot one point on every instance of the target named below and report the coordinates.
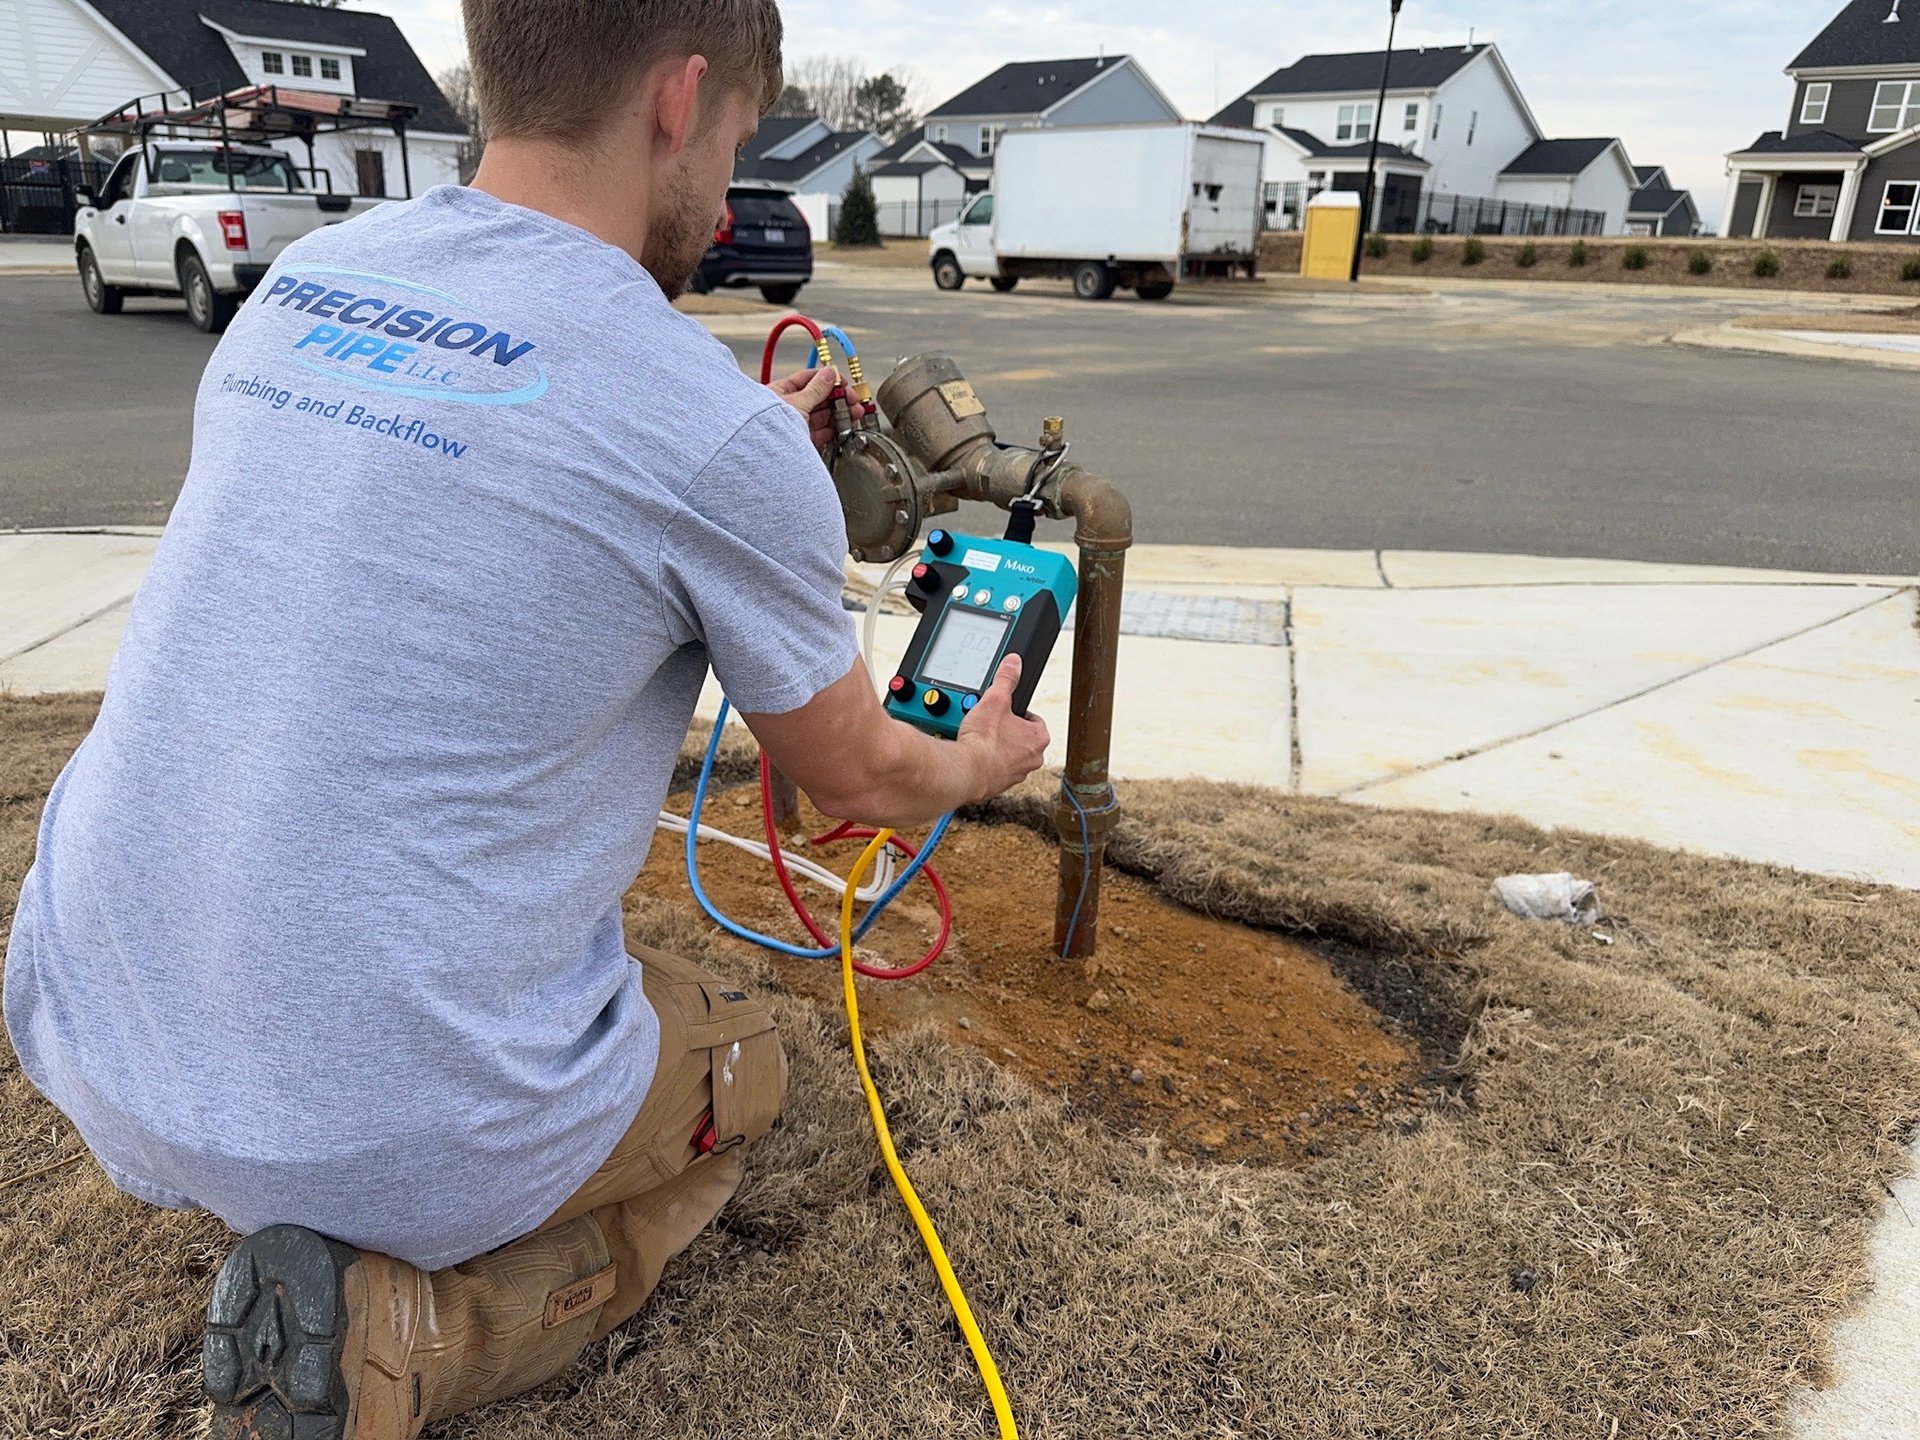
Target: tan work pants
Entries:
(721, 1080)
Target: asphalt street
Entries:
(1549, 421)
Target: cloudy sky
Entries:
(1681, 81)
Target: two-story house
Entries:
(67, 62)
(1455, 124)
(1102, 90)
(807, 156)
(1846, 167)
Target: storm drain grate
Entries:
(1217, 618)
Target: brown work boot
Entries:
(309, 1339)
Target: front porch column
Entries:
(1849, 197)
(1768, 184)
(1734, 176)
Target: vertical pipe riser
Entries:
(1096, 651)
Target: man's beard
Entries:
(678, 240)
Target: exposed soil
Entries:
(1226, 1042)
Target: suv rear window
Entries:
(760, 207)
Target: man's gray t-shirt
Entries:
(324, 926)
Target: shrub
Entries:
(859, 216)
(1377, 246)
(1910, 270)
(1423, 250)
(1528, 257)
(1766, 264)
(1578, 254)
(1700, 264)
(1474, 251)
(1840, 269)
(1634, 257)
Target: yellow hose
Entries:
(956, 1297)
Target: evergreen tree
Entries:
(859, 217)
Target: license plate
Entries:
(776, 237)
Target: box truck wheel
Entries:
(1159, 290)
(947, 273)
(1093, 280)
(1004, 283)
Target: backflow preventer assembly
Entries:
(937, 448)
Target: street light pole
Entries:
(1373, 151)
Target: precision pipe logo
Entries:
(401, 338)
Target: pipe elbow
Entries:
(1103, 516)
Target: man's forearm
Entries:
(912, 778)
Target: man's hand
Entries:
(807, 392)
(1006, 747)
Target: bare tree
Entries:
(832, 86)
(793, 102)
(456, 83)
(838, 89)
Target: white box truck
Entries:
(1136, 207)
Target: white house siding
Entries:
(60, 63)
(1501, 134)
(1322, 118)
(1119, 97)
(1602, 186)
(913, 204)
(433, 161)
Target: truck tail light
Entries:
(233, 229)
(724, 235)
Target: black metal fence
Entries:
(905, 219)
(1404, 213)
(40, 190)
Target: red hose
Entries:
(849, 832)
(791, 322)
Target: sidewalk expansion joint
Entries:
(1468, 754)
(81, 623)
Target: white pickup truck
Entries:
(201, 220)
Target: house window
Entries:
(1896, 105)
(329, 69)
(1356, 123)
(1437, 109)
(1278, 118)
(370, 170)
(1413, 119)
(989, 137)
(303, 65)
(1813, 111)
(272, 62)
(1819, 201)
(937, 134)
(1473, 125)
(1897, 207)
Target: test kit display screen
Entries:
(962, 654)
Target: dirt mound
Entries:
(1639, 1217)
(1228, 1044)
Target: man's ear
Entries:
(677, 102)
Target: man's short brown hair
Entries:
(554, 69)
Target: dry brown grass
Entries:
(1640, 1218)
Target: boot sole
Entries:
(276, 1336)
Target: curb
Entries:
(1729, 337)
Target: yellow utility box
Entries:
(1333, 230)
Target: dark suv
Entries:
(763, 240)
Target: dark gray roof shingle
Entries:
(803, 164)
(1358, 72)
(1860, 35)
(1558, 157)
(911, 167)
(1026, 87)
(955, 154)
(1807, 142)
(774, 131)
(174, 38)
(1319, 149)
(1655, 200)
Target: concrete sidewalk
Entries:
(1758, 714)
(36, 255)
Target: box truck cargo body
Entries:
(1138, 207)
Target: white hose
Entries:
(800, 866)
(869, 629)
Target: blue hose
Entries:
(840, 337)
(733, 927)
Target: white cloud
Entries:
(1681, 83)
